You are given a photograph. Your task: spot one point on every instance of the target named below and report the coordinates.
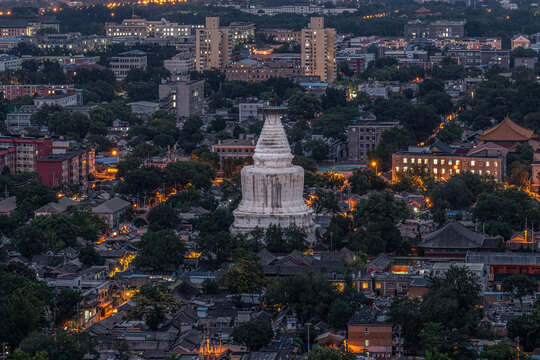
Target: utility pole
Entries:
(308, 324)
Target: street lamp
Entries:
(115, 153)
(375, 165)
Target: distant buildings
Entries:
(319, 50)
(145, 28)
(182, 98)
(234, 148)
(59, 99)
(111, 210)
(121, 64)
(10, 62)
(213, 46)
(443, 161)
(29, 27)
(520, 41)
(363, 136)
(434, 29)
(19, 119)
(180, 64)
(27, 151)
(11, 92)
(71, 167)
(249, 111)
(480, 58)
(370, 330)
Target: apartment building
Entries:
(234, 148)
(182, 98)
(19, 119)
(9, 62)
(435, 29)
(71, 167)
(443, 161)
(60, 100)
(213, 46)
(319, 50)
(11, 92)
(8, 160)
(180, 64)
(121, 64)
(482, 58)
(363, 136)
(277, 33)
(27, 151)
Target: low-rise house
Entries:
(53, 207)
(112, 210)
(7, 206)
(369, 330)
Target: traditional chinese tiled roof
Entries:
(507, 130)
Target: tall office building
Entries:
(213, 47)
(319, 50)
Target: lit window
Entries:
(457, 162)
(367, 342)
(479, 172)
(442, 171)
(378, 285)
(365, 285)
(397, 168)
(435, 161)
(405, 168)
(442, 161)
(495, 163)
(435, 171)
(472, 171)
(449, 162)
(412, 161)
(473, 163)
(404, 160)
(487, 163)
(426, 161)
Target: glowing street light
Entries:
(375, 165)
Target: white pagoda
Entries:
(272, 188)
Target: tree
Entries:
(319, 149)
(162, 217)
(333, 97)
(63, 346)
(363, 180)
(308, 294)
(161, 250)
(198, 174)
(324, 353)
(287, 239)
(405, 313)
(518, 286)
(501, 351)
(303, 106)
(435, 355)
(65, 303)
(190, 134)
(244, 277)
(527, 328)
(451, 132)
(153, 303)
(89, 256)
(210, 286)
(254, 334)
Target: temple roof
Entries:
(507, 130)
(453, 235)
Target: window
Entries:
(435, 171)
(495, 163)
(435, 161)
(397, 168)
(405, 168)
(412, 161)
(367, 342)
(473, 162)
(404, 160)
(365, 285)
(449, 162)
(442, 171)
(487, 163)
(457, 162)
(378, 285)
(390, 286)
(366, 331)
(499, 287)
(426, 161)
(442, 161)
(499, 298)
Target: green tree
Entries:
(502, 351)
(527, 328)
(244, 277)
(303, 106)
(153, 303)
(323, 353)
(190, 134)
(518, 286)
(162, 217)
(308, 294)
(89, 256)
(65, 303)
(254, 334)
(319, 149)
(210, 286)
(161, 250)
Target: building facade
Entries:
(134, 59)
(27, 151)
(435, 29)
(364, 135)
(11, 92)
(182, 98)
(180, 64)
(319, 50)
(234, 148)
(10, 62)
(19, 119)
(445, 164)
(213, 47)
(72, 167)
